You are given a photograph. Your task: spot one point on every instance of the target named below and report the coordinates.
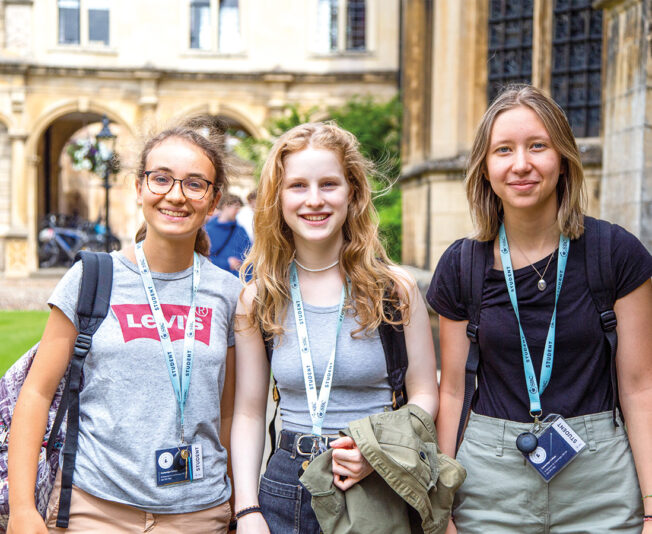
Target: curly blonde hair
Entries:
(374, 289)
(486, 208)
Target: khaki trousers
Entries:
(92, 514)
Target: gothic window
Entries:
(576, 64)
(510, 44)
(356, 25)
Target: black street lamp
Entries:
(106, 144)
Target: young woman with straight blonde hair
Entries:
(316, 230)
(543, 352)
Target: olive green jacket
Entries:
(409, 469)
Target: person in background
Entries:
(229, 241)
(245, 216)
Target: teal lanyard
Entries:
(533, 390)
(180, 381)
(316, 405)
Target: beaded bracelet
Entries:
(248, 510)
(646, 496)
(647, 518)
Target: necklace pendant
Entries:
(542, 285)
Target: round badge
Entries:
(166, 460)
(538, 456)
(526, 442)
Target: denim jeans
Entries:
(283, 499)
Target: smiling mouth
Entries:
(171, 213)
(316, 218)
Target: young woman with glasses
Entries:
(152, 452)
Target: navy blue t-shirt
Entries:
(580, 382)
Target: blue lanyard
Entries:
(317, 406)
(180, 382)
(533, 390)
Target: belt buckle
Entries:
(297, 444)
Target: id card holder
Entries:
(558, 445)
(177, 465)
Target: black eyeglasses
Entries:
(194, 188)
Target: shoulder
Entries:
(247, 297)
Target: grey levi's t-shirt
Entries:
(128, 408)
(360, 385)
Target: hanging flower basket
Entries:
(91, 156)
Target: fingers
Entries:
(345, 442)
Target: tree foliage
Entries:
(377, 125)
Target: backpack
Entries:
(92, 307)
(597, 260)
(392, 338)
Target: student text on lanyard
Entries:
(533, 390)
(180, 382)
(316, 405)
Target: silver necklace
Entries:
(541, 284)
(316, 270)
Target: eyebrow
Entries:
(191, 175)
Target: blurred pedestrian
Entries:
(229, 241)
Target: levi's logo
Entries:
(137, 321)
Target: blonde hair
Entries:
(206, 133)
(373, 295)
(485, 206)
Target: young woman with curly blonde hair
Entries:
(316, 230)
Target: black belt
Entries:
(301, 444)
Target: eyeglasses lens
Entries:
(192, 188)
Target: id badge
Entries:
(177, 465)
(558, 444)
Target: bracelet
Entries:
(646, 496)
(647, 518)
(248, 510)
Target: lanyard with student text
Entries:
(180, 382)
(533, 390)
(317, 406)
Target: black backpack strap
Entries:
(269, 350)
(92, 308)
(597, 257)
(472, 267)
(392, 338)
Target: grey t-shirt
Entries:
(128, 409)
(360, 385)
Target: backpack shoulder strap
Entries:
(392, 338)
(472, 267)
(92, 308)
(276, 397)
(597, 259)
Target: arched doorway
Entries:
(242, 178)
(68, 195)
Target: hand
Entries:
(349, 466)
(253, 524)
(451, 528)
(234, 263)
(27, 521)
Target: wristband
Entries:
(647, 518)
(248, 510)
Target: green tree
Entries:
(377, 125)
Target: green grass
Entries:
(19, 330)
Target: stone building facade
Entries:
(66, 63)
(594, 57)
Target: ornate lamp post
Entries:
(106, 144)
